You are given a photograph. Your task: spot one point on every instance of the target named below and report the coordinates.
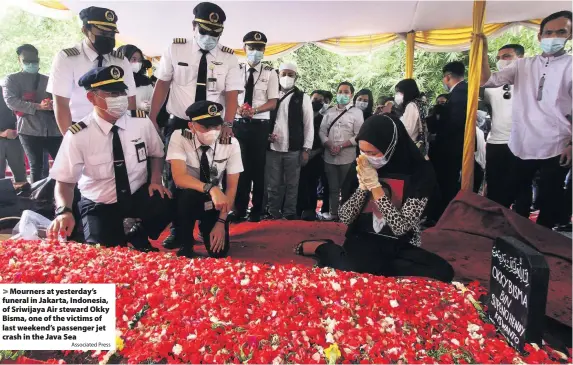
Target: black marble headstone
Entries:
(518, 291)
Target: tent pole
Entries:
(410, 40)
(473, 93)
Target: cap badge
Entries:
(214, 17)
(212, 110)
(258, 36)
(110, 16)
(115, 73)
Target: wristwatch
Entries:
(62, 210)
(307, 150)
(207, 187)
(228, 124)
(256, 111)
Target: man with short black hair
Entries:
(449, 124)
(498, 154)
(25, 93)
(540, 136)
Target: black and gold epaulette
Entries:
(186, 133)
(227, 50)
(117, 54)
(225, 140)
(75, 128)
(138, 114)
(268, 68)
(70, 52)
(179, 40)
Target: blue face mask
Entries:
(206, 42)
(552, 45)
(31, 68)
(342, 99)
(254, 57)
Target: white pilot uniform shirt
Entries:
(228, 156)
(266, 87)
(67, 70)
(86, 157)
(180, 64)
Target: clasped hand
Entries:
(367, 175)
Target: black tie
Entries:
(201, 88)
(249, 87)
(205, 173)
(99, 61)
(122, 188)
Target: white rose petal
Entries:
(245, 281)
(273, 313)
(455, 342)
(316, 357)
(335, 286)
(394, 303)
(192, 336)
(256, 268)
(329, 338)
(177, 349)
(353, 281)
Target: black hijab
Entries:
(140, 77)
(405, 161)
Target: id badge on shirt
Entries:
(141, 152)
(212, 84)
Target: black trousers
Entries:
(103, 223)
(325, 208)
(447, 166)
(550, 187)
(253, 137)
(378, 255)
(34, 147)
(191, 208)
(308, 185)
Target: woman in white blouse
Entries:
(338, 132)
(139, 66)
(415, 111)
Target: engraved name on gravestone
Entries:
(518, 291)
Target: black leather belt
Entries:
(251, 121)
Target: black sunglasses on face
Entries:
(506, 94)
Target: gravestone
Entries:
(518, 291)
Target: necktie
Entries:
(122, 188)
(201, 88)
(249, 87)
(99, 60)
(205, 173)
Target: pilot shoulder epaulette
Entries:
(70, 52)
(75, 128)
(138, 114)
(225, 140)
(186, 133)
(117, 54)
(227, 50)
(268, 68)
(179, 40)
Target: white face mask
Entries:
(287, 82)
(376, 161)
(136, 66)
(116, 107)
(501, 64)
(399, 98)
(208, 138)
(362, 105)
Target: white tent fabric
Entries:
(152, 25)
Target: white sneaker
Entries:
(328, 217)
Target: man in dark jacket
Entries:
(10, 148)
(449, 124)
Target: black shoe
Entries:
(186, 252)
(235, 217)
(291, 217)
(308, 215)
(254, 218)
(563, 227)
(170, 243)
(139, 240)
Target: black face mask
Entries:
(103, 45)
(317, 105)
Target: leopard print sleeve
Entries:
(405, 220)
(350, 210)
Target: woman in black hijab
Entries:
(139, 65)
(383, 204)
(364, 101)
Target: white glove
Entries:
(367, 175)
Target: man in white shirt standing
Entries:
(541, 131)
(498, 155)
(70, 101)
(291, 142)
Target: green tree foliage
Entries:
(49, 36)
